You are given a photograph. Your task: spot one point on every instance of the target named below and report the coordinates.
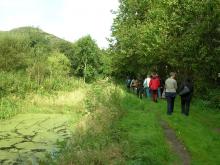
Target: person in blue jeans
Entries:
(170, 92)
(146, 86)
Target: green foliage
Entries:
(94, 138)
(16, 87)
(106, 68)
(133, 135)
(13, 52)
(8, 107)
(43, 55)
(15, 84)
(167, 35)
(86, 58)
(58, 65)
(211, 98)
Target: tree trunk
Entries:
(84, 71)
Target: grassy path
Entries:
(175, 144)
(143, 134)
(146, 138)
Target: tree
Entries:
(166, 35)
(86, 58)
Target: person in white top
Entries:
(146, 86)
(170, 92)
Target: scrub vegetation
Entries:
(43, 74)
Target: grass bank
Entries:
(20, 94)
(119, 128)
(115, 127)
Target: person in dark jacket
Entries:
(140, 88)
(186, 98)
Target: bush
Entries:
(213, 98)
(19, 84)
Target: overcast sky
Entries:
(67, 19)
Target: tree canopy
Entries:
(165, 35)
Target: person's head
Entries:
(172, 74)
(153, 74)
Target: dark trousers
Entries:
(154, 95)
(140, 92)
(170, 102)
(185, 104)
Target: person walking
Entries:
(170, 92)
(185, 92)
(128, 83)
(159, 88)
(140, 88)
(154, 85)
(133, 85)
(146, 86)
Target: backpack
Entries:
(184, 91)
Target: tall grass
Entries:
(8, 107)
(117, 128)
(16, 89)
(93, 141)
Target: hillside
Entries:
(37, 35)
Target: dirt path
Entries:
(175, 144)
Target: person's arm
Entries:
(180, 87)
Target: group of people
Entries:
(154, 87)
(151, 86)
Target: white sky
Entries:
(67, 19)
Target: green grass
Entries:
(118, 128)
(142, 135)
(122, 129)
(9, 107)
(198, 132)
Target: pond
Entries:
(27, 138)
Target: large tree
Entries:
(86, 58)
(166, 35)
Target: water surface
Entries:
(26, 138)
